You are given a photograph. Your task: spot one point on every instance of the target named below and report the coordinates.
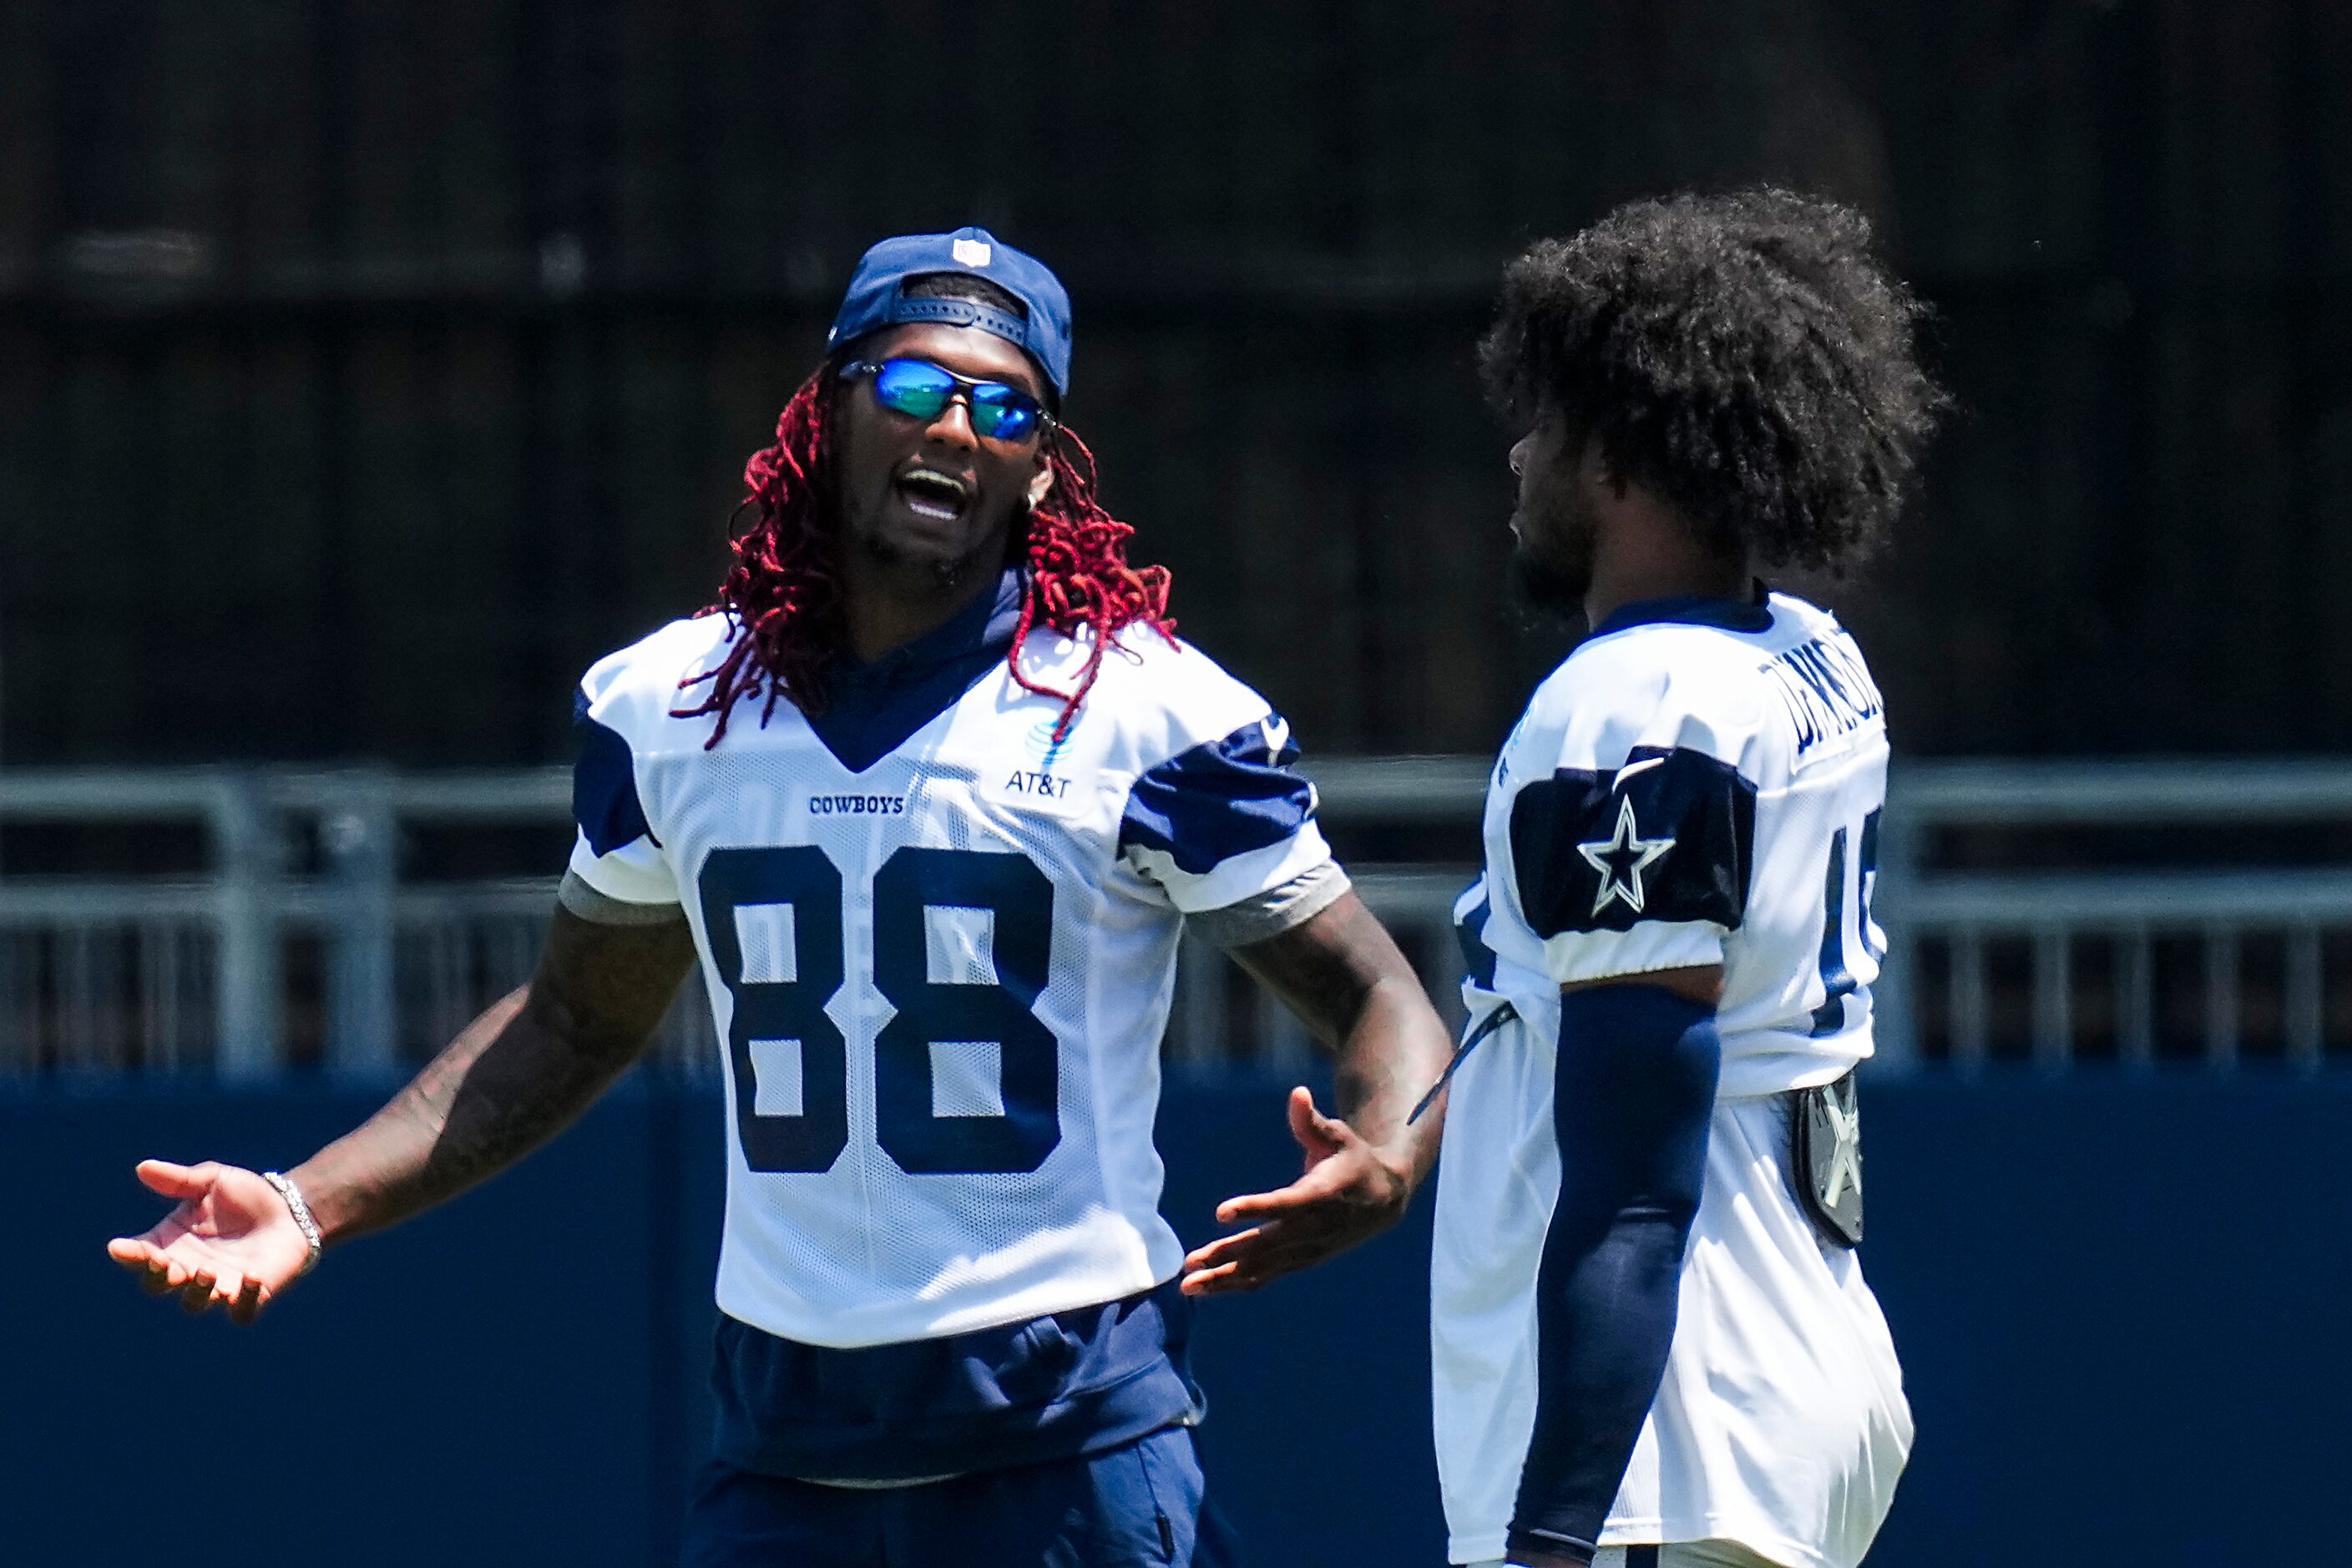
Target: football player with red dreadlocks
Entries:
(931, 792)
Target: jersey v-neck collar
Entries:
(876, 706)
(1751, 614)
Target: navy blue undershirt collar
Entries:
(875, 706)
(1753, 613)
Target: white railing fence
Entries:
(2051, 913)
(2224, 934)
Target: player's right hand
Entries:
(231, 1243)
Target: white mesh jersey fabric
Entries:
(916, 1147)
(1780, 1423)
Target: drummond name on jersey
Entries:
(1827, 688)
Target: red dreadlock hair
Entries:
(783, 591)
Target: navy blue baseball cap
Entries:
(878, 298)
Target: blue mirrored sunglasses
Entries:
(921, 390)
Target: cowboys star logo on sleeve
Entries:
(1622, 858)
(1664, 838)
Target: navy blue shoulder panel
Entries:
(1073, 1383)
(1220, 799)
(604, 785)
(1671, 835)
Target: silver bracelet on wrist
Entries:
(301, 1212)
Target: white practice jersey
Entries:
(1699, 783)
(940, 981)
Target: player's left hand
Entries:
(1350, 1192)
(232, 1242)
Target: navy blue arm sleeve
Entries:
(1635, 1092)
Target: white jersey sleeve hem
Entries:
(1645, 949)
(634, 873)
(1244, 875)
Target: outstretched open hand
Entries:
(231, 1243)
(1349, 1194)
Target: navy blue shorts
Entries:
(1127, 1507)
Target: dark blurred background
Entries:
(367, 369)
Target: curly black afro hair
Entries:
(1746, 356)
